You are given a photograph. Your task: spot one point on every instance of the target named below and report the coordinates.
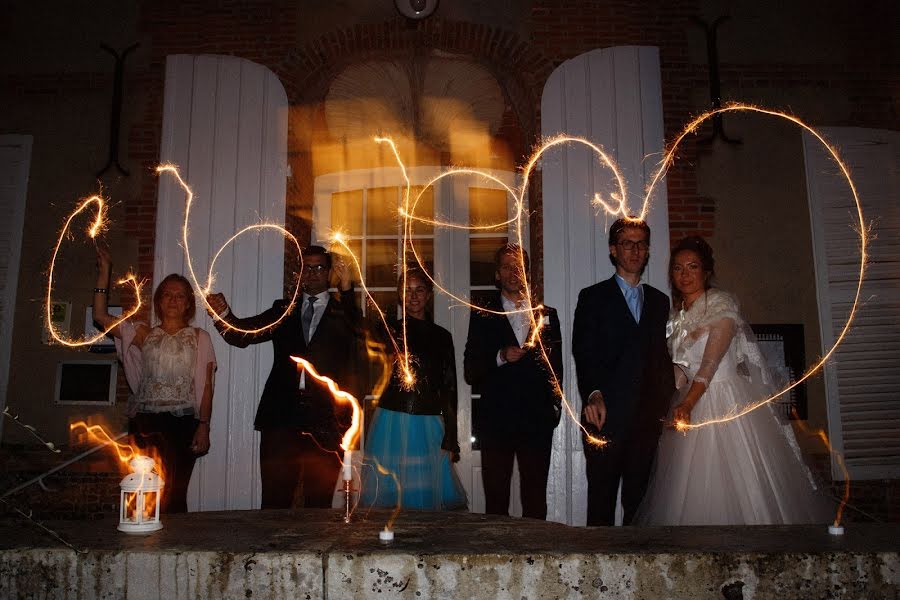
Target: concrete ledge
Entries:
(313, 554)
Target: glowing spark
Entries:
(861, 229)
(352, 433)
(126, 452)
(840, 461)
(399, 507)
(403, 356)
(204, 290)
(93, 231)
(97, 433)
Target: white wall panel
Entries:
(225, 126)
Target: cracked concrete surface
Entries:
(313, 554)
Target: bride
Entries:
(740, 472)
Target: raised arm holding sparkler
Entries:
(170, 370)
(300, 427)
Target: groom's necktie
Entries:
(633, 298)
(307, 317)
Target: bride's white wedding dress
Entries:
(742, 472)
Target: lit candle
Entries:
(348, 465)
(386, 535)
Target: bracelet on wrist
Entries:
(100, 290)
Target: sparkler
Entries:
(93, 231)
(204, 290)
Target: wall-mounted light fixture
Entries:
(416, 9)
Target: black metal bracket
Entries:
(715, 82)
(115, 117)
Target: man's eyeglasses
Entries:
(314, 268)
(628, 245)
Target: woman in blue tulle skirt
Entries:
(412, 435)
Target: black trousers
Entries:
(171, 437)
(533, 455)
(628, 461)
(288, 457)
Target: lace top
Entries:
(167, 377)
(715, 319)
(165, 361)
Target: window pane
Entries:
(424, 209)
(381, 263)
(381, 211)
(481, 259)
(425, 250)
(487, 207)
(346, 212)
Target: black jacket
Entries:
(434, 365)
(626, 361)
(333, 351)
(519, 398)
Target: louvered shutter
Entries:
(863, 379)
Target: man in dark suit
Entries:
(300, 430)
(624, 374)
(519, 405)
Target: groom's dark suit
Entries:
(286, 412)
(628, 362)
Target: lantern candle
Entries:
(139, 497)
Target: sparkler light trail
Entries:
(861, 227)
(617, 206)
(148, 457)
(352, 434)
(98, 225)
(845, 497)
(204, 290)
(535, 313)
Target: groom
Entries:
(624, 372)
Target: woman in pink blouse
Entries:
(169, 368)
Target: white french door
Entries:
(362, 205)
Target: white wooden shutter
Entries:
(611, 97)
(863, 379)
(15, 161)
(225, 126)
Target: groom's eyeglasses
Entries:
(628, 245)
(314, 268)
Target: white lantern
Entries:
(139, 497)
